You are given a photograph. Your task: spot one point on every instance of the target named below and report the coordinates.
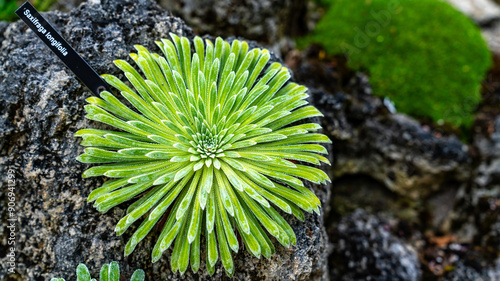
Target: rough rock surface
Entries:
(465, 272)
(481, 11)
(391, 164)
(263, 20)
(364, 249)
(65, 6)
(478, 207)
(3, 26)
(489, 152)
(41, 106)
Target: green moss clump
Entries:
(426, 56)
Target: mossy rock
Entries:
(423, 54)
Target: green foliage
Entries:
(109, 272)
(426, 56)
(8, 8)
(212, 143)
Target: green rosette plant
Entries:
(109, 272)
(213, 138)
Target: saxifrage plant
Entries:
(109, 272)
(429, 58)
(215, 141)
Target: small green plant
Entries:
(9, 7)
(215, 142)
(109, 272)
(427, 57)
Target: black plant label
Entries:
(61, 48)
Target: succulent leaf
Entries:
(109, 272)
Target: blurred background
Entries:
(410, 90)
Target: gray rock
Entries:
(481, 11)
(364, 249)
(492, 35)
(464, 272)
(265, 21)
(488, 147)
(494, 272)
(41, 105)
(478, 208)
(65, 6)
(3, 26)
